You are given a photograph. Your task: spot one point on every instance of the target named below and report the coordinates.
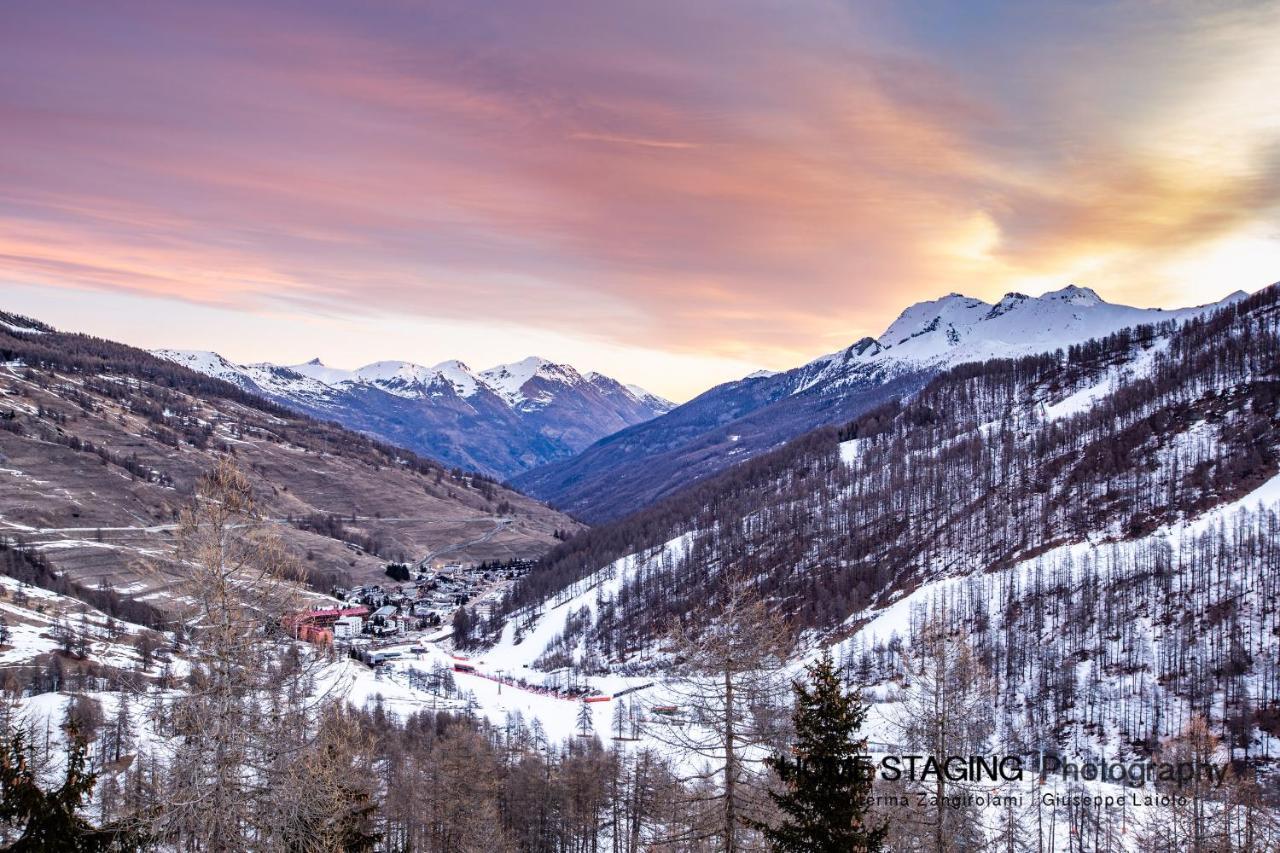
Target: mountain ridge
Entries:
(1118, 438)
(498, 421)
(740, 419)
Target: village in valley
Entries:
(416, 600)
(421, 640)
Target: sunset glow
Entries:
(672, 193)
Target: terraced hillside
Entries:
(101, 443)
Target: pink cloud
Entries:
(737, 179)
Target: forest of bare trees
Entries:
(248, 755)
(970, 477)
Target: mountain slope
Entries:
(101, 443)
(499, 421)
(991, 463)
(735, 421)
(1100, 528)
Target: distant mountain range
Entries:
(737, 420)
(101, 445)
(499, 421)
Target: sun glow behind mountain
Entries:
(671, 194)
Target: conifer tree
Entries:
(585, 724)
(827, 780)
(49, 821)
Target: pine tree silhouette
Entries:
(828, 779)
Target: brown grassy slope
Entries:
(97, 456)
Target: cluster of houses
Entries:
(424, 601)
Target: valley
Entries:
(1072, 549)
(101, 444)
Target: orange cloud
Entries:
(743, 180)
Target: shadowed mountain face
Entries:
(735, 421)
(499, 421)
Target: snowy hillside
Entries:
(759, 413)
(1113, 503)
(1091, 533)
(1044, 592)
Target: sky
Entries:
(673, 193)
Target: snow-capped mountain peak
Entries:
(203, 361)
(534, 382)
(925, 317)
(406, 379)
(957, 328)
(502, 421)
(384, 371)
(464, 382)
(321, 372)
(660, 405)
(1082, 296)
(510, 381)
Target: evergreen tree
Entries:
(462, 626)
(119, 739)
(47, 820)
(585, 724)
(828, 780)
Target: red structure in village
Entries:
(316, 626)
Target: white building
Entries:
(347, 627)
